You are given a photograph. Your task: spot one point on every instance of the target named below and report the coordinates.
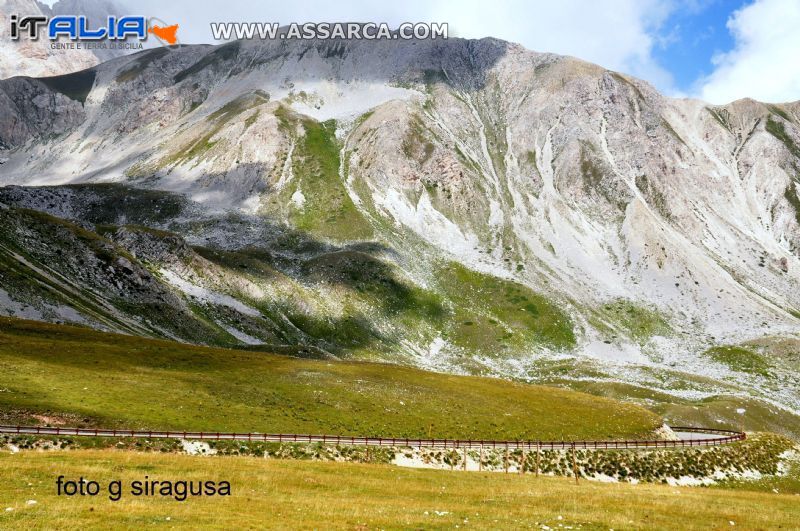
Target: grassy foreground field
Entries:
(80, 376)
(305, 495)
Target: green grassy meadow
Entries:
(110, 380)
(284, 494)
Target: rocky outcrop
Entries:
(30, 109)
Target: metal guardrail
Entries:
(726, 437)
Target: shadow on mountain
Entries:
(135, 219)
(460, 63)
(76, 85)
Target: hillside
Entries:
(466, 206)
(73, 375)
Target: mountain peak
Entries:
(510, 206)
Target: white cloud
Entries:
(617, 34)
(764, 63)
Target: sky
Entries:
(716, 50)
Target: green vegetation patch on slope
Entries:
(375, 279)
(777, 129)
(75, 86)
(740, 359)
(637, 322)
(48, 259)
(718, 410)
(779, 350)
(722, 116)
(327, 210)
(415, 145)
(51, 226)
(654, 196)
(590, 172)
(493, 314)
(671, 130)
(370, 291)
(29, 287)
(238, 105)
(793, 198)
(124, 381)
(250, 120)
(775, 109)
(199, 146)
(598, 179)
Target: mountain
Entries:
(25, 57)
(465, 206)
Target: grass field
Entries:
(93, 378)
(307, 495)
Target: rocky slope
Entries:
(460, 205)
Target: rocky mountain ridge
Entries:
(461, 205)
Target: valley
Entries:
(458, 239)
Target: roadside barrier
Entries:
(719, 437)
